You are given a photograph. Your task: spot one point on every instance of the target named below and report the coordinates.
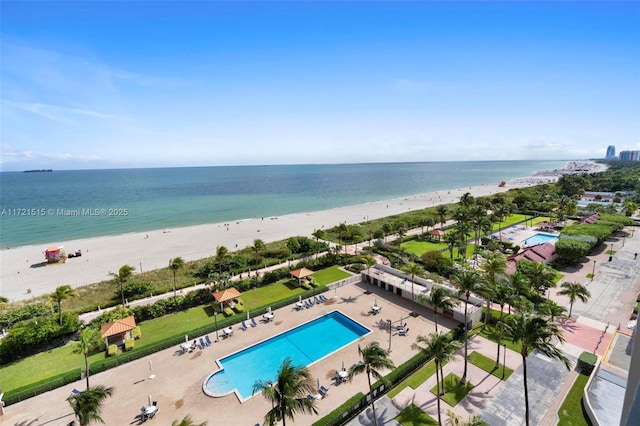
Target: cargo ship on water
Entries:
(38, 171)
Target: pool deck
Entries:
(178, 381)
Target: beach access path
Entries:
(22, 274)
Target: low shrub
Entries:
(137, 333)
(238, 308)
(587, 362)
(129, 344)
(112, 351)
(228, 311)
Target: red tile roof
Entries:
(228, 294)
(118, 327)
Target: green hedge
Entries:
(114, 361)
(587, 362)
(336, 416)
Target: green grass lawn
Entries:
(454, 392)
(329, 275)
(418, 247)
(571, 412)
(492, 334)
(414, 416)
(60, 360)
(487, 364)
(416, 379)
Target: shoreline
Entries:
(150, 250)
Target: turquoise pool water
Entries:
(539, 239)
(304, 344)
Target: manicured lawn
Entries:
(487, 364)
(329, 275)
(60, 360)
(416, 379)
(418, 247)
(571, 412)
(414, 416)
(454, 392)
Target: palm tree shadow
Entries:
(568, 326)
(350, 299)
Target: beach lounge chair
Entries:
(306, 304)
(209, 342)
(202, 343)
(316, 300)
(244, 326)
(310, 302)
(323, 298)
(323, 391)
(253, 322)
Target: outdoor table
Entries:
(299, 305)
(375, 309)
(228, 331)
(343, 375)
(268, 316)
(186, 347)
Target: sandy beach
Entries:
(22, 277)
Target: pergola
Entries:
(118, 331)
(226, 295)
(301, 273)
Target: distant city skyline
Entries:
(162, 84)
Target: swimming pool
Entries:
(304, 344)
(539, 239)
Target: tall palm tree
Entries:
(534, 333)
(574, 291)
(258, 246)
(187, 421)
(451, 240)
(87, 340)
(374, 358)
(467, 282)
(318, 235)
(124, 273)
(550, 309)
(495, 265)
(520, 287)
(386, 228)
(88, 404)
(288, 394)
(502, 295)
(442, 211)
(413, 269)
(62, 293)
(175, 265)
(221, 253)
(440, 347)
(440, 298)
(541, 277)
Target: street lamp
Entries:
(215, 318)
(593, 272)
(389, 324)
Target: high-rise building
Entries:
(611, 153)
(629, 155)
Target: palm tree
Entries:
(187, 421)
(87, 405)
(495, 264)
(451, 240)
(440, 298)
(288, 394)
(541, 277)
(386, 228)
(534, 333)
(221, 254)
(574, 291)
(550, 309)
(293, 245)
(413, 269)
(467, 281)
(62, 293)
(440, 347)
(441, 212)
(258, 246)
(175, 265)
(124, 273)
(466, 200)
(520, 287)
(88, 339)
(373, 358)
(502, 295)
(319, 235)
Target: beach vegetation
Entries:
(187, 421)
(135, 288)
(123, 275)
(175, 265)
(288, 393)
(60, 294)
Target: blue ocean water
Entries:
(63, 205)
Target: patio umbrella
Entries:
(149, 396)
(247, 315)
(318, 383)
(342, 365)
(186, 338)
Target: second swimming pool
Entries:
(304, 344)
(539, 239)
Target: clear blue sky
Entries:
(142, 83)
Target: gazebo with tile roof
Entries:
(115, 333)
(226, 296)
(301, 273)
